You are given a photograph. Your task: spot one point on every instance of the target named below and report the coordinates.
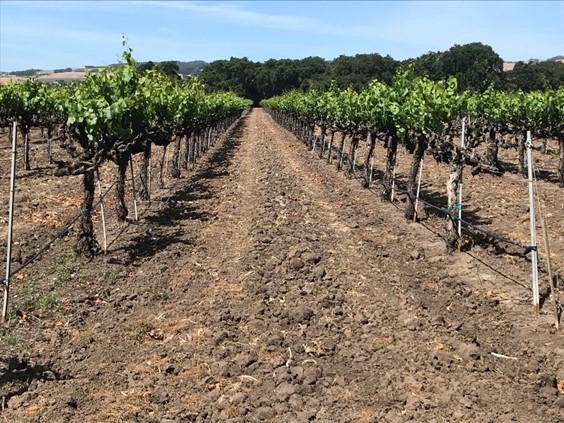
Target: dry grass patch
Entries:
(120, 406)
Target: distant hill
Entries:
(194, 67)
(508, 66)
(63, 75)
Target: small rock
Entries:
(298, 372)
(222, 403)
(468, 351)
(549, 392)
(415, 255)
(246, 359)
(275, 339)
(319, 272)
(312, 258)
(283, 374)
(284, 391)
(238, 398)
(160, 395)
(303, 314)
(307, 416)
(264, 413)
(16, 401)
(71, 402)
(438, 321)
(296, 264)
(295, 402)
(311, 375)
(559, 402)
(220, 338)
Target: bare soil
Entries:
(265, 287)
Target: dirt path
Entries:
(268, 289)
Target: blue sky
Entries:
(47, 35)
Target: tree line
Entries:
(475, 66)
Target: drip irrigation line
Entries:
(454, 219)
(59, 234)
(62, 231)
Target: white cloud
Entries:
(232, 12)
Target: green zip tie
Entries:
(457, 206)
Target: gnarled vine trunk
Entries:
(86, 244)
(544, 146)
(453, 193)
(342, 151)
(561, 164)
(323, 137)
(175, 168)
(391, 154)
(186, 156)
(193, 148)
(144, 171)
(25, 130)
(121, 207)
(492, 159)
(162, 167)
(420, 148)
(352, 156)
(521, 151)
(369, 159)
(50, 144)
(330, 148)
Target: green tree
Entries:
(429, 65)
(475, 66)
(529, 76)
(357, 71)
(236, 74)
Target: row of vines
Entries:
(427, 117)
(113, 115)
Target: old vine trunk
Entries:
(391, 154)
(412, 183)
(86, 244)
(121, 208)
(453, 189)
(369, 159)
(144, 171)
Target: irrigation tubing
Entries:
(64, 230)
(59, 234)
(455, 219)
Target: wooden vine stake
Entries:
(10, 223)
(462, 136)
(102, 212)
(342, 154)
(534, 252)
